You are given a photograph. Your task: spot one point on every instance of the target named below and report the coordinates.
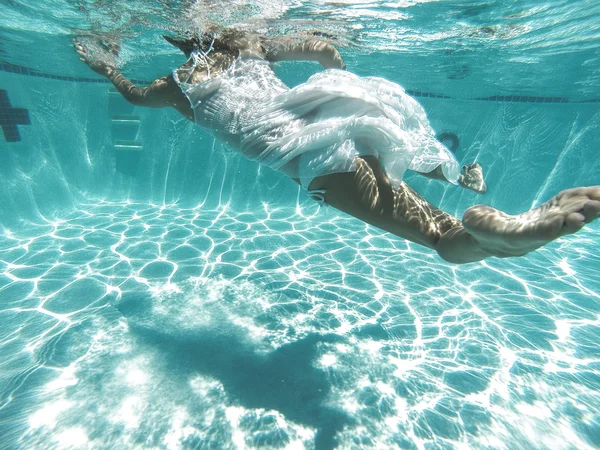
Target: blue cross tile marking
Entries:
(11, 117)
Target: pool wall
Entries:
(84, 142)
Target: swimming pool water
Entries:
(185, 298)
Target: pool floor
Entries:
(134, 325)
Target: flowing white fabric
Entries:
(319, 127)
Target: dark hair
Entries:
(229, 40)
(225, 40)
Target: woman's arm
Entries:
(162, 93)
(154, 96)
(282, 49)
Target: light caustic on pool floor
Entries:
(129, 324)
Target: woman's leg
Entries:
(368, 195)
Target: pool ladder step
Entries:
(127, 146)
(125, 129)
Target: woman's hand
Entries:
(97, 65)
(327, 55)
(330, 58)
(286, 48)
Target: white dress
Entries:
(318, 127)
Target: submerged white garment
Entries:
(319, 127)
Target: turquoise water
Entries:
(157, 291)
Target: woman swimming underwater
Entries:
(347, 140)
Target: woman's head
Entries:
(226, 40)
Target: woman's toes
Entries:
(574, 222)
(594, 193)
(591, 210)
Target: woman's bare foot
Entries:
(504, 235)
(472, 178)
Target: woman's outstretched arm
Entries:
(284, 48)
(162, 93)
